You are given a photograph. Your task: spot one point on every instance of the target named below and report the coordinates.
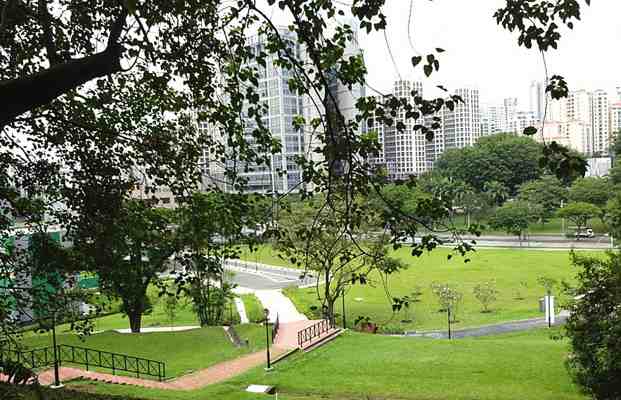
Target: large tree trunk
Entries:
(135, 321)
(24, 94)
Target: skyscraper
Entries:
(409, 152)
(283, 174)
(536, 97)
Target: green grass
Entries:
(264, 254)
(520, 366)
(507, 267)
(182, 352)
(254, 309)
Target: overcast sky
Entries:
(480, 53)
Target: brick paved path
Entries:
(214, 374)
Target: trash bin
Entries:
(542, 305)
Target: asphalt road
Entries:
(263, 277)
(538, 242)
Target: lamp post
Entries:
(344, 320)
(57, 383)
(448, 314)
(266, 312)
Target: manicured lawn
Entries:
(521, 366)
(507, 267)
(554, 226)
(254, 309)
(264, 254)
(182, 352)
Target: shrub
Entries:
(594, 326)
(486, 293)
(447, 298)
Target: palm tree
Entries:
(497, 192)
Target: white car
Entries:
(587, 233)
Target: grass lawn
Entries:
(520, 366)
(254, 308)
(182, 352)
(507, 267)
(265, 254)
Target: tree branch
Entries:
(24, 94)
(48, 36)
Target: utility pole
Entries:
(344, 320)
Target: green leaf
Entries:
(440, 50)
(530, 131)
(416, 60)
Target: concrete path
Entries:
(505, 327)
(214, 374)
(241, 310)
(279, 304)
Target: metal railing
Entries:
(36, 358)
(40, 358)
(313, 331)
(275, 327)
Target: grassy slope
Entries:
(254, 309)
(510, 367)
(181, 351)
(507, 267)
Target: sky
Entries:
(479, 53)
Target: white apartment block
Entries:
(585, 120)
(615, 118)
(283, 174)
(409, 153)
(536, 97)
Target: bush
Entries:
(391, 329)
(447, 298)
(594, 326)
(486, 293)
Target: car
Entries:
(586, 233)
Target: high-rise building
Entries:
(536, 97)
(492, 120)
(283, 174)
(615, 118)
(409, 153)
(510, 108)
(591, 112)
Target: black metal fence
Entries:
(40, 358)
(33, 359)
(313, 331)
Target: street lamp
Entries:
(266, 312)
(344, 320)
(57, 383)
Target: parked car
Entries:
(586, 233)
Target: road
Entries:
(255, 276)
(538, 242)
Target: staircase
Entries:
(305, 335)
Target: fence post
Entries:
(86, 358)
(112, 363)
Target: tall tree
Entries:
(547, 191)
(139, 242)
(507, 159)
(593, 325)
(594, 190)
(580, 213)
(515, 217)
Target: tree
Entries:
(594, 190)
(593, 325)
(612, 215)
(580, 213)
(496, 191)
(141, 241)
(507, 159)
(323, 246)
(210, 227)
(614, 175)
(546, 191)
(515, 217)
(615, 147)
(486, 293)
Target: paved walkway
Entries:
(197, 380)
(280, 305)
(514, 326)
(241, 310)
